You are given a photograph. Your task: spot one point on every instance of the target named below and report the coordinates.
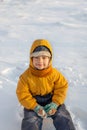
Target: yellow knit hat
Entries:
(40, 42)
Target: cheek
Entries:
(33, 61)
(47, 62)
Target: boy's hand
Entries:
(40, 111)
(51, 108)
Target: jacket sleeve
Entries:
(24, 96)
(60, 89)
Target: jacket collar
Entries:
(41, 73)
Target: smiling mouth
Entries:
(39, 64)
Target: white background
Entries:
(64, 24)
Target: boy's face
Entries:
(41, 62)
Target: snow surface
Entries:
(64, 24)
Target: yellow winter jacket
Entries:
(41, 82)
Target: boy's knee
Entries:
(31, 121)
(62, 120)
(61, 123)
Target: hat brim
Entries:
(40, 53)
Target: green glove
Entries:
(40, 111)
(51, 106)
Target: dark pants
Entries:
(61, 120)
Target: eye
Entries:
(36, 57)
(45, 57)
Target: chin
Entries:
(40, 68)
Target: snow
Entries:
(64, 24)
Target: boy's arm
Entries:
(24, 96)
(60, 89)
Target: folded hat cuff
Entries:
(40, 53)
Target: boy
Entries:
(42, 91)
